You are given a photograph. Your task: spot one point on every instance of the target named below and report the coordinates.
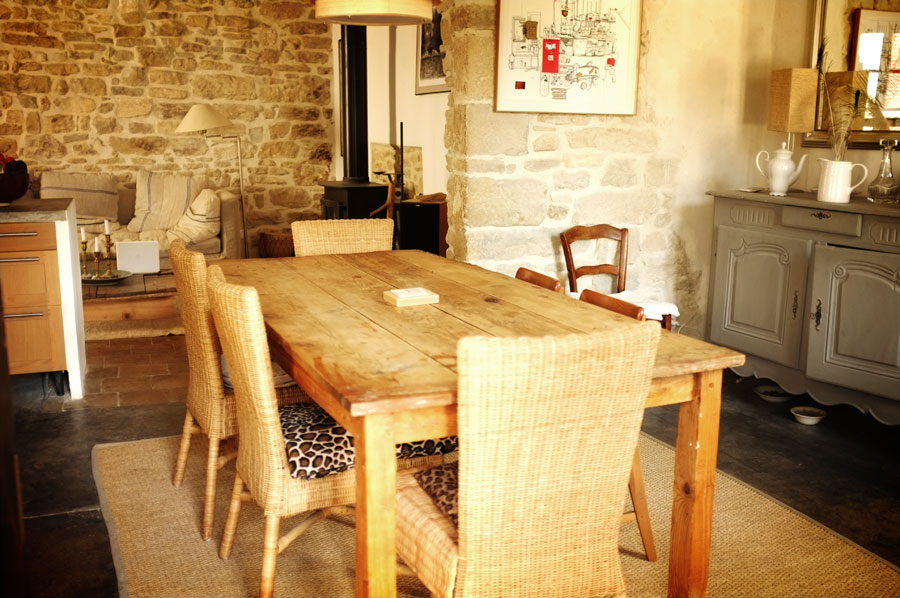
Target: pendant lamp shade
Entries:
(792, 100)
(374, 12)
(202, 117)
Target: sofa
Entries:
(161, 207)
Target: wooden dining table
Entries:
(388, 375)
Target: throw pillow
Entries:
(162, 199)
(202, 220)
(96, 196)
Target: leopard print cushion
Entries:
(441, 483)
(318, 446)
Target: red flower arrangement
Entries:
(4, 160)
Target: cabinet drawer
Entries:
(34, 340)
(28, 279)
(839, 223)
(28, 236)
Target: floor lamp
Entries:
(203, 117)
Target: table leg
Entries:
(376, 489)
(696, 447)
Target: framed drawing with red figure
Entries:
(569, 56)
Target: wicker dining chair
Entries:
(277, 465)
(320, 237)
(210, 405)
(541, 280)
(547, 429)
(636, 488)
(656, 310)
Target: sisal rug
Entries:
(760, 548)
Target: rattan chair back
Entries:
(547, 429)
(321, 237)
(205, 389)
(261, 461)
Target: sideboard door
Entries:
(760, 293)
(854, 329)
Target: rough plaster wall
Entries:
(100, 86)
(517, 180)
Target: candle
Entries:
(83, 237)
(106, 227)
(96, 244)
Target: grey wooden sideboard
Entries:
(811, 292)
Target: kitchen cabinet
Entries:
(811, 292)
(40, 286)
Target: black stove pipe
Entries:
(356, 156)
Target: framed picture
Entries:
(430, 58)
(571, 56)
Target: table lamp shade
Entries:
(202, 117)
(374, 12)
(792, 100)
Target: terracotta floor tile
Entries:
(126, 384)
(144, 369)
(100, 371)
(126, 359)
(109, 399)
(173, 381)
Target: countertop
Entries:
(35, 210)
(807, 199)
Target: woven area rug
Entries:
(760, 548)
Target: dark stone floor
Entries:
(843, 472)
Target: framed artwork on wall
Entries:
(430, 58)
(569, 56)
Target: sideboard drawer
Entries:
(29, 279)
(31, 236)
(839, 223)
(34, 337)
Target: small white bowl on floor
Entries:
(808, 416)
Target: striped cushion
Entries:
(202, 221)
(96, 196)
(162, 199)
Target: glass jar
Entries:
(884, 187)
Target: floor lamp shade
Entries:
(374, 12)
(202, 117)
(792, 100)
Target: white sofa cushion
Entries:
(202, 221)
(162, 199)
(96, 196)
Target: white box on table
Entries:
(137, 257)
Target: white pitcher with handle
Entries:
(782, 172)
(834, 180)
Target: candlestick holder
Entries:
(84, 259)
(108, 273)
(96, 265)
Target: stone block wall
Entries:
(101, 85)
(516, 180)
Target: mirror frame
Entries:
(868, 140)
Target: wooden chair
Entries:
(656, 310)
(525, 526)
(276, 465)
(541, 280)
(636, 489)
(319, 237)
(210, 405)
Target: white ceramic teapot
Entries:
(782, 172)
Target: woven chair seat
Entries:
(317, 446)
(441, 484)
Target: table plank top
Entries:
(328, 315)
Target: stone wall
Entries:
(101, 85)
